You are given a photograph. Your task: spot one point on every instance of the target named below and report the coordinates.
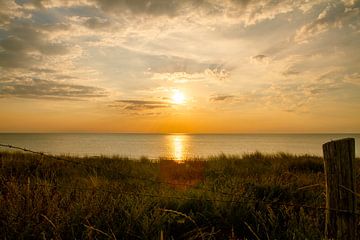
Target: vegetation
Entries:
(254, 196)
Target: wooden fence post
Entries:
(340, 210)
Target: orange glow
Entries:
(178, 145)
(178, 97)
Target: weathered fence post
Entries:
(340, 219)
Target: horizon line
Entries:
(170, 133)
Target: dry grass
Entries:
(225, 197)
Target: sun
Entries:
(178, 97)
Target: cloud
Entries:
(34, 59)
(169, 64)
(25, 45)
(248, 12)
(260, 59)
(26, 37)
(40, 88)
(177, 77)
(9, 10)
(338, 79)
(252, 12)
(141, 105)
(290, 72)
(334, 15)
(97, 23)
(16, 60)
(353, 78)
(222, 98)
(217, 74)
(291, 95)
(349, 3)
(46, 4)
(154, 7)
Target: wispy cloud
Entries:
(289, 95)
(25, 39)
(136, 105)
(334, 15)
(291, 72)
(261, 58)
(222, 98)
(97, 23)
(45, 89)
(207, 75)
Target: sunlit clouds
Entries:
(180, 66)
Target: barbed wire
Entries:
(102, 169)
(48, 156)
(90, 166)
(249, 199)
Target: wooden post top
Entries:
(340, 140)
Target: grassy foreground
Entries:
(225, 197)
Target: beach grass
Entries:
(253, 196)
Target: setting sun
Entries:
(188, 115)
(178, 97)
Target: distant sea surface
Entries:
(176, 146)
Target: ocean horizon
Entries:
(178, 146)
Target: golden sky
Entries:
(231, 66)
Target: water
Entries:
(177, 146)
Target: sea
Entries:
(174, 146)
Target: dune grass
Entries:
(224, 197)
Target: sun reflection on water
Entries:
(178, 145)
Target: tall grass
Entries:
(224, 197)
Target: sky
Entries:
(190, 66)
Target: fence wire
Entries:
(245, 200)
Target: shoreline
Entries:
(154, 159)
